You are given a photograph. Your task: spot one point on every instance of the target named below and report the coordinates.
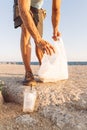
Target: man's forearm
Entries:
(55, 19)
(56, 14)
(27, 20)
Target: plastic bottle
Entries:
(29, 100)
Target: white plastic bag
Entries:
(29, 100)
(54, 67)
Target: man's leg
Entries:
(25, 47)
(26, 56)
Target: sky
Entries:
(73, 27)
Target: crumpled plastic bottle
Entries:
(30, 96)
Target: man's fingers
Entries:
(46, 47)
(52, 48)
(49, 50)
(56, 36)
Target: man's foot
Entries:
(29, 79)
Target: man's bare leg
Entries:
(26, 56)
(25, 48)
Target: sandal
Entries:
(29, 79)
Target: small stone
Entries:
(26, 120)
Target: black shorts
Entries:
(37, 15)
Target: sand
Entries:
(64, 106)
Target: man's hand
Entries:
(56, 35)
(46, 47)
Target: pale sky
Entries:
(73, 26)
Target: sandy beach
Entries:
(63, 105)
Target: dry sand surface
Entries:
(63, 105)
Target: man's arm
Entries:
(29, 24)
(27, 19)
(56, 17)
